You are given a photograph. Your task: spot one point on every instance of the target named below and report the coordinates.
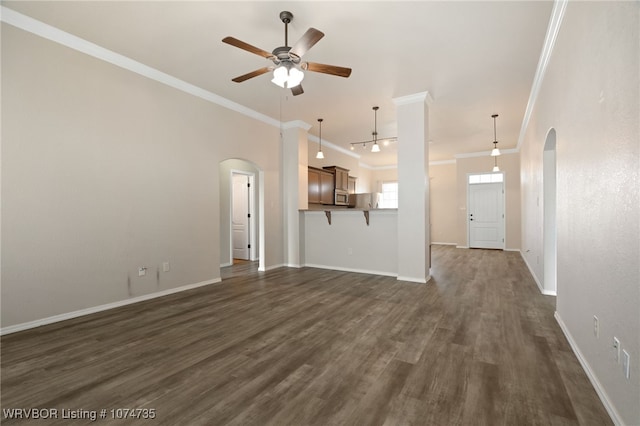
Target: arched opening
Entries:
(549, 237)
(234, 175)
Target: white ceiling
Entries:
(474, 58)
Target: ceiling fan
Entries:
(287, 61)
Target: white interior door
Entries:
(240, 217)
(486, 215)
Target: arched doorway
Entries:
(549, 237)
(232, 171)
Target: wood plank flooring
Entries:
(477, 345)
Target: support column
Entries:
(294, 186)
(413, 187)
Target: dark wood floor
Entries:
(477, 345)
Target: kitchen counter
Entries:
(350, 239)
(329, 207)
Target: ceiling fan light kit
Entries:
(287, 61)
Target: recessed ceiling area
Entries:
(474, 58)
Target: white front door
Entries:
(486, 215)
(240, 217)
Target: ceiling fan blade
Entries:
(246, 46)
(306, 42)
(327, 69)
(297, 90)
(252, 74)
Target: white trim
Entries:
(293, 265)
(224, 265)
(557, 13)
(442, 162)
(296, 124)
(414, 280)
(389, 167)
(487, 153)
(253, 231)
(269, 268)
(326, 143)
(358, 271)
(414, 98)
(100, 308)
(535, 278)
(462, 247)
(443, 244)
(56, 35)
(602, 394)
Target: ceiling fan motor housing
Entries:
(286, 16)
(282, 56)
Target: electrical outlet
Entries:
(626, 360)
(142, 271)
(616, 349)
(596, 327)
(166, 267)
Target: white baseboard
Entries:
(540, 287)
(268, 268)
(359, 271)
(464, 247)
(293, 265)
(608, 405)
(509, 249)
(443, 244)
(224, 265)
(414, 280)
(88, 311)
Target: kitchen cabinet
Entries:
(352, 184)
(326, 188)
(320, 186)
(314, 186)
(341, 177)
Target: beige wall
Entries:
(590, 97)
(378, 176)
(443, 203)
(104, 171)
(510, 165)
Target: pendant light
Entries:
(320, 155)
(495, 151)
(375, 147)
(495, 165)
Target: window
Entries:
(389, 195)
(486, 178)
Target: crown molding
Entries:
(557, 14)
(296, 124)
(414, 98)
(327, 144)
(486, 153)
(56, 35)
(441, 162)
